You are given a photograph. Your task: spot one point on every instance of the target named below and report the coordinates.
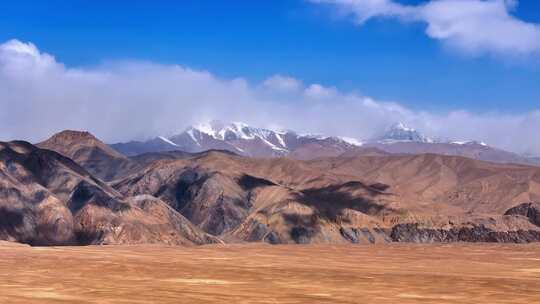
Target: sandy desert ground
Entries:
(457, 273)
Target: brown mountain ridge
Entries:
(369, 196)
(48, 199)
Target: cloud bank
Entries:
(469, 26)
(122, 101)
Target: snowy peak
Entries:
(234, 136)
(230, 131)
(208, 128)
(244, 139)
(399, 132)
(402, 127)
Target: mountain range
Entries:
(245, 140)
(238, 138)
(74, 189)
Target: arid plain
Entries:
(402, 273)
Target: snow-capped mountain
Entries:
(246, 140)
(239, 138)
(399, 132)
(402, 139)
(236, 137)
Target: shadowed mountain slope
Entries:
(469, 185)
(362, 199)
(48, 199)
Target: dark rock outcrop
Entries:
(528, 210)
(365, 235)
(475, 233)
(350, 234)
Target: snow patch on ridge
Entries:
(190, 133)
(344, 139)
(205, 128)
(167, 141)
(281, 141)
(351, 141)
(470, 142)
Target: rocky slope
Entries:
(361, 199)
(100, 159)
(85, 149)
(529, 210)
(48, 199)
(158, 144)
(471, 186)
(474, 150)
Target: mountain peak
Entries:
(219, 130)
(230, 131)
(71, 142)
(399, 132)
(211, 127)
(72, 135)
(401, 126)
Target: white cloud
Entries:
(282, 83)
(363, 10)
(136, 100)
(319, 92)
(16, 56)
(470, 26)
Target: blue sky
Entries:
(384, 58)
(453, 69)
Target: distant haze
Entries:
(120, 101)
